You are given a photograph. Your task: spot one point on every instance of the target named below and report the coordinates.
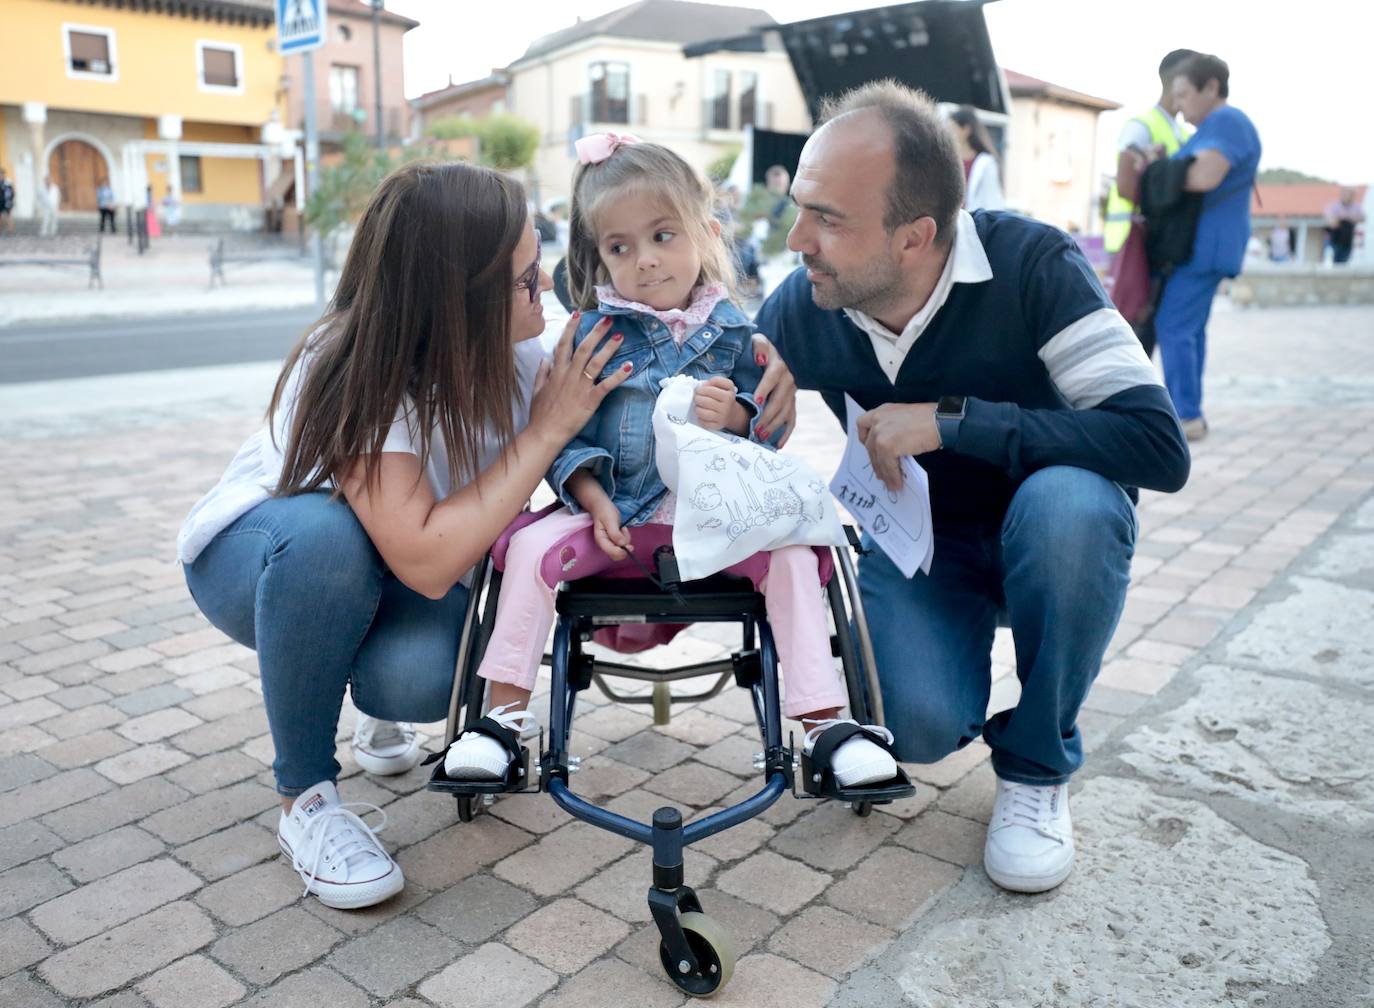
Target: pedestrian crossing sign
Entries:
(300, 25)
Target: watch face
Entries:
(950, 406)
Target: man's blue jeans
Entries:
(298, 580)
(1057, 571)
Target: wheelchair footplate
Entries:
(818, 777)
(517, 776)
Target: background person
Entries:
(1225, 152)
(6, 203)
(105, 203)
(1341, 216)
(982, 167)
(49, 202)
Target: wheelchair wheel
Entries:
(715, 952)
(467, 808)
(863, 809)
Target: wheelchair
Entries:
(696, 953)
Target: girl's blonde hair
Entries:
(658, 170)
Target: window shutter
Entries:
(90, 52)
(218, 67)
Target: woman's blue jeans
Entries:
(1057, 571)
(298, 580)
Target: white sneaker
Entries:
(385, 748)
(858, 761)
(1030, 838)
(477, 756)
(337, 854)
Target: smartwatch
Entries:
(949, 411)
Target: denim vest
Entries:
(617, 444)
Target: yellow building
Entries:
(182, 98)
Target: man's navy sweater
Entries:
(985, 343)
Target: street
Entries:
(88, 347)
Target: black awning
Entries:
(939, 46)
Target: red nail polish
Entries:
(577, 314)
(628, 368)
(760, 360)
(759, 400)
(763, 434)
(617, 336)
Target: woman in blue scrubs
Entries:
(1225, 152)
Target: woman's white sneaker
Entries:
(1030, 837)
(385, 748)
(336, 854)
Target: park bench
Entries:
(258, 248)
(61, 250)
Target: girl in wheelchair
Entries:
(646, 252)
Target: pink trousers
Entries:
(791, 591)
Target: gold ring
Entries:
(590, 378)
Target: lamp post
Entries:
(377, 67)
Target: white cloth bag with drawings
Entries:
(734, 497)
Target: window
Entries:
(190, 174)
(610, 89)
(90, 52)
(343, 88)
(345, 33)
(220, 66)
(748, 99)
(719, 114)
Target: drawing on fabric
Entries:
(778, 504)
(773, 468)
(709, 523)
(707, 497)
(716, 464)
(680, 421)
(740, 460)
(698, 445)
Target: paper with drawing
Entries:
(898, 522)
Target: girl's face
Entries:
(527, 308)
(647, 251)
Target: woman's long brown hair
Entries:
(422, 310)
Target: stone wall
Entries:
(1267, 288)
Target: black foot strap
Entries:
(818, 775)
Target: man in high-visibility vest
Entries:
(1156, 132)
(1155, 127)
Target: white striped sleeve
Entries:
(1095, 358)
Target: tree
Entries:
(344, 187)
(507, 141)
(452, 128)
(719, 169)
(1286, 176)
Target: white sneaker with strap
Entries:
(858, 761)
(385, 748)
(1030, 837)
(336, 854)
(476, 755)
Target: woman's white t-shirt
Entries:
(256, 469)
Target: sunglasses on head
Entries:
(529, 279)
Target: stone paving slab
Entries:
(1222, 835)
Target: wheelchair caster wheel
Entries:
(467, 808)
(863, 809)
(715, 952)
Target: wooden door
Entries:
(77, 168)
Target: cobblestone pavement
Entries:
(1219, 835)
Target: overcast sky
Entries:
(1300, 70)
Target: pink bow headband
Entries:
(598, 147)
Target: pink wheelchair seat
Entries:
(576, 555)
